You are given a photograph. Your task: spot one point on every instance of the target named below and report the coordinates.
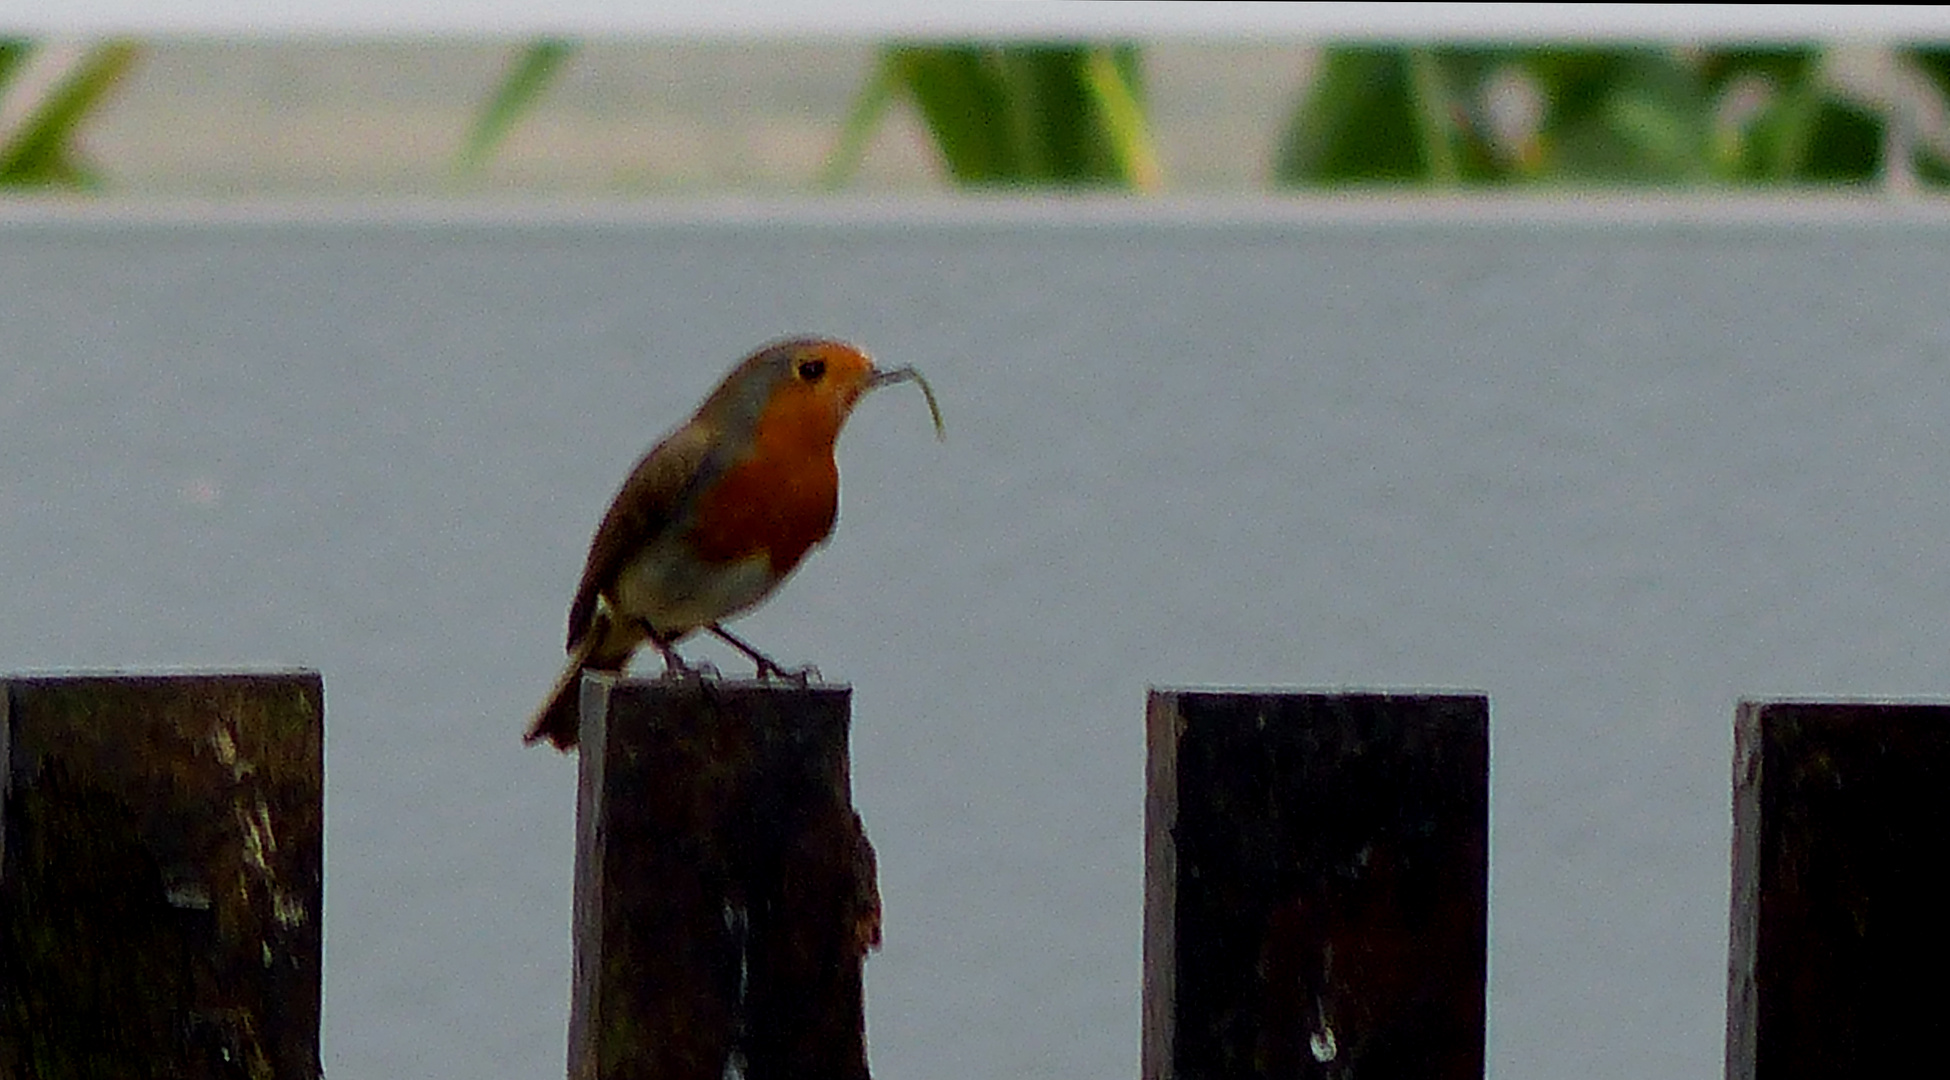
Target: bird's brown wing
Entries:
(651, 500)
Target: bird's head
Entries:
(803, 389)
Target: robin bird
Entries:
(716, 515)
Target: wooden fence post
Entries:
(161, 846)
(725, 893)
(1839, 938)
(1316, 879)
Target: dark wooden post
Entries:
(1316, 880)
(160, 875)
(725, 892)
(1840, 938)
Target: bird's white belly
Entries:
(676, 593)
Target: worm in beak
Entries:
(908, 374)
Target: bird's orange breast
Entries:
(779, 508)
(780, 499)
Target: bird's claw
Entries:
(680, 671)
(801, 677)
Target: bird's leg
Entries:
(768, 668)
(675, 666)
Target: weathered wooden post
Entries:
(1840, 938)
(161, 846)
(725, 892)
(1316, 880)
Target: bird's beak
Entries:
(889, 376)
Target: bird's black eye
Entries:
(811, 370)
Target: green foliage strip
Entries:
(1074, 115)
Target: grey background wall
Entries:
(1616, 469)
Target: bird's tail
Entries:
(559, 720)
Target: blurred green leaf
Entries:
(965, 101)
(529, 74)
(1362, 121)
(1766, 104)
(1621, 116)
(1845, 145)
(13, 50)
(1801, 132)
(1063, 115)
(869, 107)
(1112, 79)
(42, 152)
(1933, 61)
